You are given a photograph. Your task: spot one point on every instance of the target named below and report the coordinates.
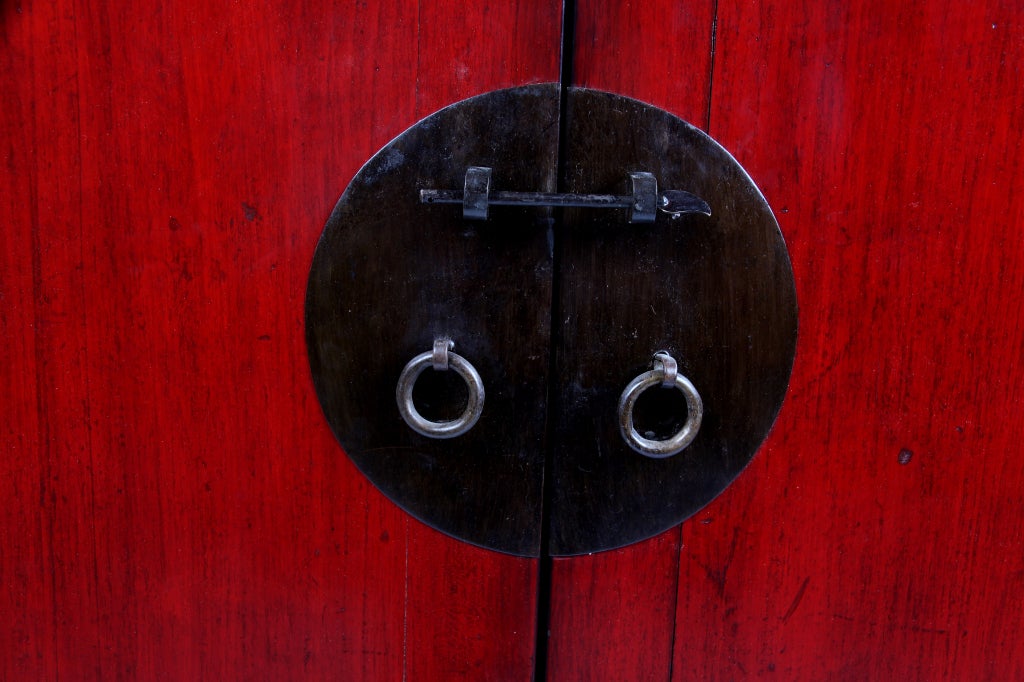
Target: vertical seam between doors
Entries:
(545, 563)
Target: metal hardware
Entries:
(664, 372)
(669, 368)
(476, 198)
(718, 291)
(440, 359)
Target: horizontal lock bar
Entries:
(643, 204)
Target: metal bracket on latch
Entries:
(643, 204)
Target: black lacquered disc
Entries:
(391, 275)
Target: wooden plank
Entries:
(880, 534)
(658, 52)
(41, 320)
(176, 505)
(612, 613)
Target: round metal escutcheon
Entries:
(391, 275)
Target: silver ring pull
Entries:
(664, 373)
(440, 359)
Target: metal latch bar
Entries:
(477, 197)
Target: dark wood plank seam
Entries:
(545, 563)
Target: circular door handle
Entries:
(440, 359)
(664, 373)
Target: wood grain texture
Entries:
(878, 534)
(911, 343)
(658, 52)
(612, 613)
(175, 505)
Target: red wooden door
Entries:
(878, 533)
(175, 505)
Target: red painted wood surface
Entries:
(878, 534)
(174, 504)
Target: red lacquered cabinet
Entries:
(176, 507)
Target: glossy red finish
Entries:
(174, 503)
(878, 534)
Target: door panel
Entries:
(175, 504)
(877, 535)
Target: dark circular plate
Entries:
(391, 275)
